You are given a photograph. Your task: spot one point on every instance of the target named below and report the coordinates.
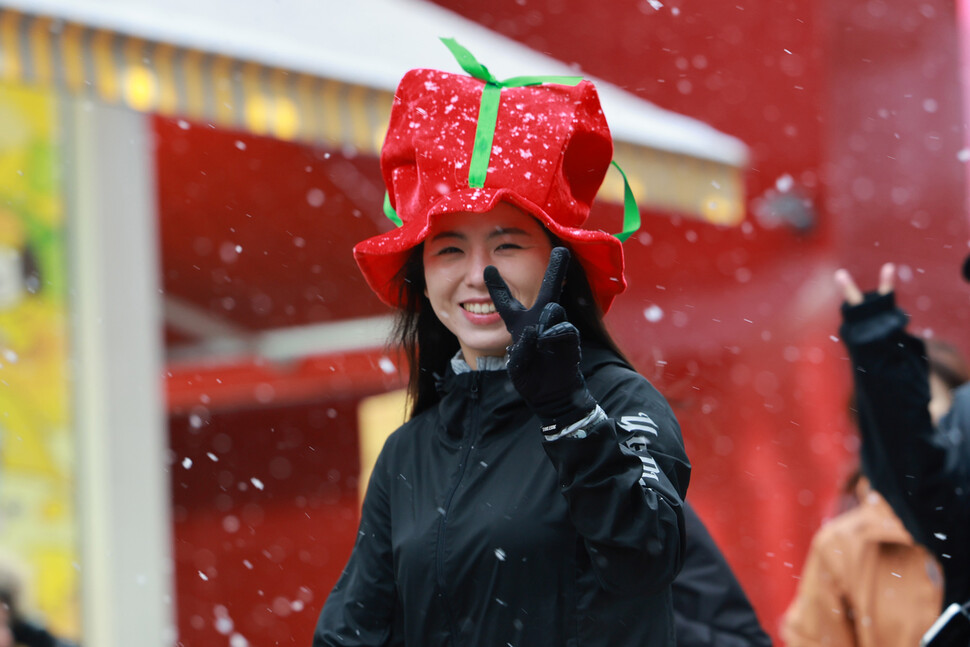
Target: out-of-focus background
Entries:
(193, 376)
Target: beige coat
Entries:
(866, 583)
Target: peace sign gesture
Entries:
(545, 354)
(853, 296)
(516, 317)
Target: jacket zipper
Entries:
(462, 463)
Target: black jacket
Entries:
(710, 607)
(922, 471)
(476, 531)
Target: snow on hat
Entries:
(465, 143)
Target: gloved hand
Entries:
(545, 354)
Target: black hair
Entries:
(428, 345)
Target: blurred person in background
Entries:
(535, 495)
(6, 633)
(17, 629)
(921, 468)
(866, 581)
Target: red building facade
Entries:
(853, 114)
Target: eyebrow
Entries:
(498, 231)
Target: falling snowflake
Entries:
(784, 183)
(386, 365)
(653, 314)
(315, 197)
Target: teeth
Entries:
(480, 308)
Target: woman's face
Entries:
(456, 252)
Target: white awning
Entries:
(361, 49)
(373, 43)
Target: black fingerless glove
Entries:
(877, 317)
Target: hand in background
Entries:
(853, 296)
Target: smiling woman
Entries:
(535, 495)
(460, 246)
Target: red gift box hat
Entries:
(547, 154)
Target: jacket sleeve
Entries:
(818, 616)
(360, 610)
(922, 471)
(624, 479)
(710, 606)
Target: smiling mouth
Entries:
(480, 308)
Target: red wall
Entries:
(256, 235)
(265, 513)
(894, 164)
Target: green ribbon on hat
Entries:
(485, 131)
(631, 214)
(488, 110)
(389, 210)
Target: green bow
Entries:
(485, 131)
(488, 110)
(631, 214)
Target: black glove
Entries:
(513, 313)
(545, 354)
(877, 317)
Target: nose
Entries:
(478, 260)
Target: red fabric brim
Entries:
(381, 257)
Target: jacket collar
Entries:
(479, 404)
(485, 363)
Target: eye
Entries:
(508, 246)
(447, 250)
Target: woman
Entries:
(534, 497)
(867, 582)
